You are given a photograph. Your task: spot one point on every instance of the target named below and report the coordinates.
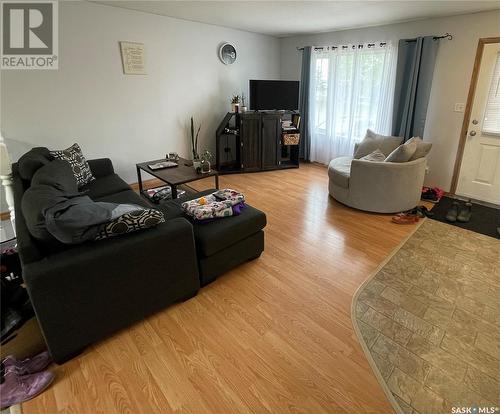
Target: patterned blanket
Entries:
(222, 203)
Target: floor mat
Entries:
(484, 219)
(429, 321)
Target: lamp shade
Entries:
(5, 161)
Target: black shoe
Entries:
(452, 213)
(465, 213)
(423, 211)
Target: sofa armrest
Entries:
(85, 293)
(101, 167)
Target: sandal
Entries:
(405, 218)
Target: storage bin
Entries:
(291, 139)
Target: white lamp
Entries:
(6, 179)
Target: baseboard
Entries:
(154, 182)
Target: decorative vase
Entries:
(197, 165)
(235, 107)
(205, 166)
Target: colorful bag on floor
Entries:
(222, 203)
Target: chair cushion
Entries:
(376, 155)
(125, 197)
(339, 171)
(403, 153)
(214, 236)
(372, 141)
(104, 186)
(423, 148)
(30, 162)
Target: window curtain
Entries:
(351, 90)
(305, 80)
(415, 67)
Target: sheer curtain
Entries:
(351, 90)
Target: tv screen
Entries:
(274, 94)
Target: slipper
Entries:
(405, 218)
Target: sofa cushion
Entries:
(339, 171)
(214, 236)
(79, 164)
(30, 162)
(423, 148)
(57, 174)
(403, 153)
(377, 156)
(125, 197)
(104, 186)
(372, 141)
(129, 222)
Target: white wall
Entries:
(131, 118)
(451, 76)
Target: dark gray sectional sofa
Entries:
(85, 292)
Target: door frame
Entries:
(468, 107)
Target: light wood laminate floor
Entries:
(272, 336)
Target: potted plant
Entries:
(206, 159)
(235, 103)
(194, 145)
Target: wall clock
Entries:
(227, 54)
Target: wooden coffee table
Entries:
(175, 176)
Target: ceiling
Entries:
(288, 18)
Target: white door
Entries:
(480, 170)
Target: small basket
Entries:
(291, 139)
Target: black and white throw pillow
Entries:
(79, 165)
(129, 222)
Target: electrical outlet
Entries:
(459, 107)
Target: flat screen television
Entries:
(274, 94)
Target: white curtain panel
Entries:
(352, 89)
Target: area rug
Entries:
(484, 219)
(429, 321)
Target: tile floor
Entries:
(431, 320)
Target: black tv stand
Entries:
(258, 141)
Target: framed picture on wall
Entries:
(133, 58)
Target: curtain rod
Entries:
(445, 36)
(354, 46)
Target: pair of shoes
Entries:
(432, 194)
(23, 380)
(409, 217)
(461, 213)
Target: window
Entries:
(491, 121)
(351, 91)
